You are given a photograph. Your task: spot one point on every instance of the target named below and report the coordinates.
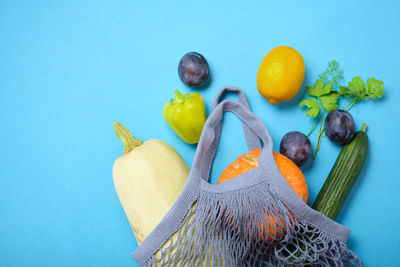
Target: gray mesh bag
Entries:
(255, 219)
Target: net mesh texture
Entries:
(249, 227)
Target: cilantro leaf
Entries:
(345, 91)
(329, 101)
(332, 74)
(318, 89)
(356, 87)
(333, 65)
(327, 89)
(374, 88)
(312, 105)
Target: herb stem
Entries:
(351, 104)
(319, 138)
(315, 123)
(344, 105)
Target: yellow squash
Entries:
(148, 178)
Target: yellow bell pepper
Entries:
(186, 115)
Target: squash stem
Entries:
(130, 142)
(364, 127)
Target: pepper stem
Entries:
(130, 142)
(179, 97)
(364, 127)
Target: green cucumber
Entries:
(344, 173)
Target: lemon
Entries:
(281, 74)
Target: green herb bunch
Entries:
(325, 95)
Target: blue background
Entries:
(68, 69)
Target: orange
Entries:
(287, 167)
(293, 175)
(290, 171)
(281, 74)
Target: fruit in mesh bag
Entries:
(272, 225)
